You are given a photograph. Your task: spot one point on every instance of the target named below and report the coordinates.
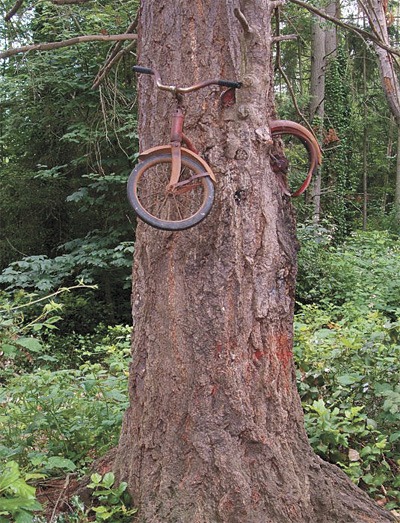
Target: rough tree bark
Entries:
(214, 432)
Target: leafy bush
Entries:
(60, 420)
(17, 498)
(364, 270)
(109, 502)
(348, 375)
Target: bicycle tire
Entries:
(156, 180)
(287, 127)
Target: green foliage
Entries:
(348, 381)
(337, 168)
(73, 414)
(110, 502)
(363, 271)
(17, 498)
(56, 421)
(347, 349)
(26, 322)
(113, 499)
(65, 153)
(99, 259)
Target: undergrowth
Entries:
(62, 397)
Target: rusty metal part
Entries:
(176, 165)
(177, 125)
(189, 144)
(279, 127)
(190, 180)
(191, 154)
(184, 90)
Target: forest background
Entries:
(67, 238)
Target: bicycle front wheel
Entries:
(171, 210)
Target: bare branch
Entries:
(66, 43)
(350, 27)
(293, 97)
(282, 38)
(65, 2)
(278, 66)
(13, 10)
(243, 20)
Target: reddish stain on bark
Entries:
(283, 349)
(218, 349)
(259, 354)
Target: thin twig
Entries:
(282, 38)
(116, 54)
(110, 62)
(293, 96)
(14, 248)
(68, 2)
(64, 488)
(60, 291)
(278, 65)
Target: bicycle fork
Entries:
(176, 142)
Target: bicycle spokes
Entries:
(166, 202)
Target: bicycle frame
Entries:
(177, 122)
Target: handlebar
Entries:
(143, 70)
(183, 90)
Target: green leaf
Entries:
(95, 478)
(108, 480)
(9, 475)
(9, 350)
(56, 462)
(32, 344)
(349, 379)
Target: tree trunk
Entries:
(323, 48)
(214, 432)
(365, 145)
(317, 98)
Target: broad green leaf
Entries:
(32, 344)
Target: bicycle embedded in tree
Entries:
(172, 187)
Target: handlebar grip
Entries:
(227, 83)
(143, 70)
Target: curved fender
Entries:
(307, 138)
(167, 149)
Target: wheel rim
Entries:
(183, 207)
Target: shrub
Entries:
(363, 270)
(60, 420)
(348, 382)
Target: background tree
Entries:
(323, 49)
(377, 14)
